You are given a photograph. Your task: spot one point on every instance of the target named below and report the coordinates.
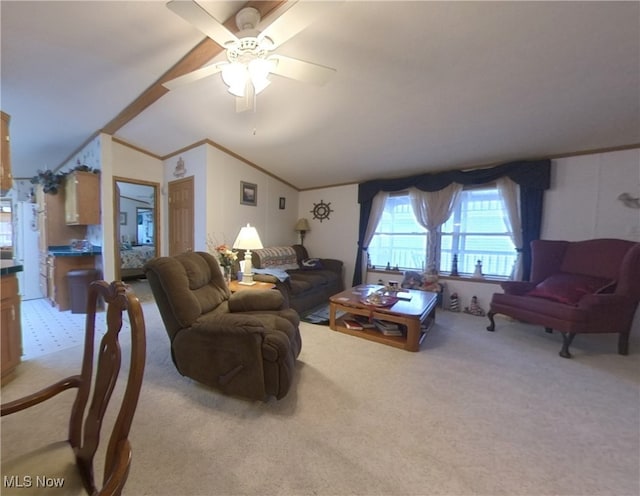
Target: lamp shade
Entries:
(302, 225)
(248, 239)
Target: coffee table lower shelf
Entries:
(409, 341)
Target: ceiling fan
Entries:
(249, 53)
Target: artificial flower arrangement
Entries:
(226, 256)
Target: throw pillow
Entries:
(311, 264)
(569, 288)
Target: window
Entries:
(475, 231)
(399, 240)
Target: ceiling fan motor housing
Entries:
(247, 18)
(248, 46)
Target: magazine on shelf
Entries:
(352, 324)
(387, 328)
(364, 322)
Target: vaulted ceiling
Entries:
(420, 86)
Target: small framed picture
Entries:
(282, 203)
(248, 194)
(123, 218)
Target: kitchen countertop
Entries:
(9, 267)
(65, 251)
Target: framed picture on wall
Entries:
(248, 194)
(123, 218)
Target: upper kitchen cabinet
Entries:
(82, 198)
(6, 179)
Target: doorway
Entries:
(181, 212)
(136, 225)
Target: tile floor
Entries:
(46, 330)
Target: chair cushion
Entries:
(569, 288)
(299, 286)
(524, 307)
(40, 471)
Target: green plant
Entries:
(51, 181)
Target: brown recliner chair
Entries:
(588, 286)
(243, 344)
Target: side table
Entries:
(235, 286)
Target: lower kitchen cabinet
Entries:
(10, 328)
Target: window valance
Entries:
(533, 177)
(534, 174)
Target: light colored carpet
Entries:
(472, 413)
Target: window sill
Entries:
(463, 278)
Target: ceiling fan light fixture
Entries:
(258, 70)
(235, 76)
(249, 51)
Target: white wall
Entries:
(582, 202)
(128, 163)
(218, 212)
(113, 159)
(195, 162)
(337, 236)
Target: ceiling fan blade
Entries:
(196, 75)
(294, 19)
(300, 70)
(191, 12)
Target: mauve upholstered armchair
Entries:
(590, 286)
(244, 344)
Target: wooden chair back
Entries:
(85, 423)
(85, 441)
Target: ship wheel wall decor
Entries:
(321, 211)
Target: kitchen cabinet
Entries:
(10, 328)
(82, 198)
(6, 179)
(52, 231)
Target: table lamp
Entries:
(302, 226)
(248, 240)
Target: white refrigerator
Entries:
(25, 229)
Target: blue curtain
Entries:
(533, 177)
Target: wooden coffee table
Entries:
(410, 314)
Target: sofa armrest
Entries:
(265, 278)
(517, 287)
(256, 300)
(332, 264)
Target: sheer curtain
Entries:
(377, 209)
(509, 192)
(432, 209)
